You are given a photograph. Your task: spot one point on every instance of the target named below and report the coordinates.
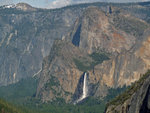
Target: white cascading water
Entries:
(85, 89)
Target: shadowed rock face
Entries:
(76, 37)
(96, 31)
(145, 108)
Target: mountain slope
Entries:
(54, 83)
(108, 44)
(102, 31)
(99, 46)
(26, 38)
(135, 100)
(8, 108)
(25, 7)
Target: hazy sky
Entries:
(58, 3)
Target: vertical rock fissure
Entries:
(76, 37)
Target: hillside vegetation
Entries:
(120, 99)
(22, 99)
(8, 108)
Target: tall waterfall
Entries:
(85, 89)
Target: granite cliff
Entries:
(26, 37)
(112, 48)
(60, 45)
(27, 34)
(99, 32)
(134, 100)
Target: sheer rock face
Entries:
(95, 32)
(98, 33)
(59, 68)
(124, 69)
(27, 37)
(137, 103)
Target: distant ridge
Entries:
(25, 7)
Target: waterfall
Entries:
(85, 89)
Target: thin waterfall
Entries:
(85, 89)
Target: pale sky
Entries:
(58, 3)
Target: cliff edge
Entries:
(134, 100)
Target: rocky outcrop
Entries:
(124, 69)
(134, 100)
(62, 73)
(98, 31)
(129, 55)
(60, 76)
(66, 65)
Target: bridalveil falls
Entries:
(85, 90)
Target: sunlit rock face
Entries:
(60, 69)
(114, 34)
(26, 38)
(124, 69)
(95, 31)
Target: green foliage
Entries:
(8, 108)
(84, 64)
(90, 106)
(112, 93)
(33, 106)
(20, 91)
(129, 92)
(99, 57)
(52, 82)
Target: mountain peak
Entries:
(25, 7)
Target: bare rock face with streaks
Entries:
(60, 76)
(26, 37)
(125, 68)
(106, 46)
(98, 32)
